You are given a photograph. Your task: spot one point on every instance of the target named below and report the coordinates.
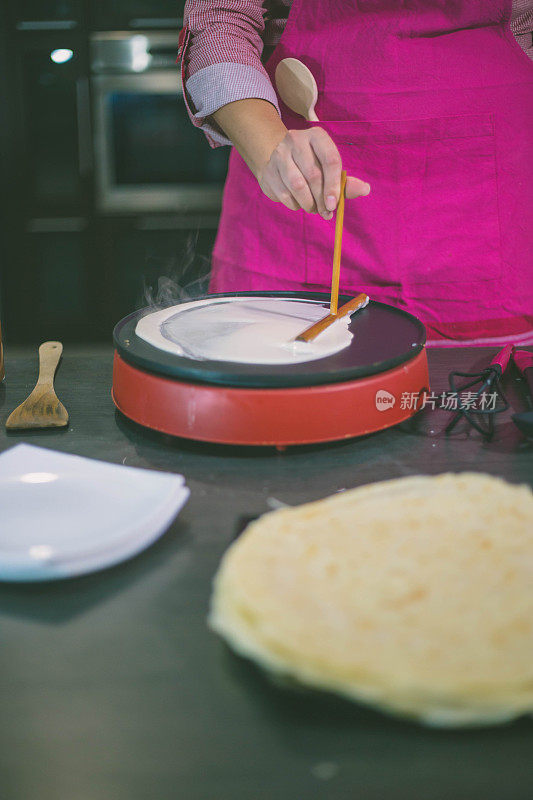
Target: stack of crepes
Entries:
(413, 595)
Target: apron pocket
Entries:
(432, 215)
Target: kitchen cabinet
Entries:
(135, 14)
(53, 123)
(73, 279)
(50, 292)
(146, 262)
(47, 15)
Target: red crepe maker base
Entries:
(270, 416)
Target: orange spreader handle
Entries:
(339, 222)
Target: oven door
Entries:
(148, 156)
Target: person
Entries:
(429, 108)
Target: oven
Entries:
(147, 154)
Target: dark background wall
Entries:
(68, 270)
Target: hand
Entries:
(304, 171)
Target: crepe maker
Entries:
(356, 391)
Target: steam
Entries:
(185, 278)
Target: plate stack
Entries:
(64, 515)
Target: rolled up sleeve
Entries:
(221, 59)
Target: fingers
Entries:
(309, 165)
(356, 188)
(304, 171)
(274, 188)
(331, 163)
(297, 184)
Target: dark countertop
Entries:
(111, 685)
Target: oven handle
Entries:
(83, 111)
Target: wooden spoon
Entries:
(42, 409)
(297, 88)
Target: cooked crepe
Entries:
(413, 595)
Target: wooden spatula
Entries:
(42, 409)
(297, 88)
(350, 307)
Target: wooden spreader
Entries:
(377, 381)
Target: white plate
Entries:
(63, 515)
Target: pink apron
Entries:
(431, 102)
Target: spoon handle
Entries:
(49, 355)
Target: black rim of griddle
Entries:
(377, 329)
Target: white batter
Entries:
(251, 330)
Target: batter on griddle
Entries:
(253, 330)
